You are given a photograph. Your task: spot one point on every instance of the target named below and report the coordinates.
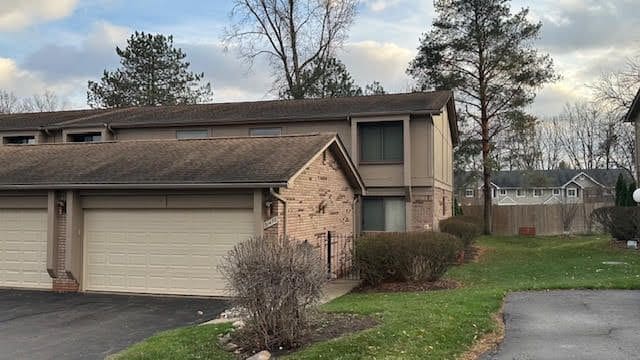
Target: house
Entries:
(147, 200)
(633, 116)
(541, 187)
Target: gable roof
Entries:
(632, 114)
(203, 163)
(254, 112)
(543, 178)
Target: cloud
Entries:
(369, 61)
(380, 5)
(17, 15)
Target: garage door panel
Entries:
(170, 251)
(23, 248)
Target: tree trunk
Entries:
(486, 176)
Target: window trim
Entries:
(466, 193)
(575, 192)
(556, 192)
(279, 128)
(379, 124)
(503, 192)
(539, 195)
(5, 139)
(518, 191)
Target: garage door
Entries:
(161, 251)
(23, 248)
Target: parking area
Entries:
(45, 325)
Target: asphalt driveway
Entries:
(44, 325)
(571, 325)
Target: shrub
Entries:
(412, 256)
(277, 282)
(459, 227)
(622, 223)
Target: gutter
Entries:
(284, 205)
(142, 186)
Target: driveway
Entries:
(571, 325)
(45, 325)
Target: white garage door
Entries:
(161, 251)
(23, 248)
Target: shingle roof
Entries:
(34, 121)
(242, 160)
(240, 112)
(543, 178)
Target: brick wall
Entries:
(62, 283)
(428, 207)
(319, 200)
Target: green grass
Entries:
(440, 324)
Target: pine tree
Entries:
(152, 72)
(629, 194)
(621, 191)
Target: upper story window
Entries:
(572, 192)
(19, 140)
(520, 193)
(85, 137)
(274, 131)
(556, 191)
(381, 142)
(503, 191)
(538, 192)
(469, 193)
(192, 134)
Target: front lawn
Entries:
(439, 324)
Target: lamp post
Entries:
(633, 244)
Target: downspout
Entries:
(284, 207)
(357, 220)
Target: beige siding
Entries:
(421, 151)
(443, 151)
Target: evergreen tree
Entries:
(629, 194)
(621, 191)
(152, 72)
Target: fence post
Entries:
(329, 253)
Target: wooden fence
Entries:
(546, 219)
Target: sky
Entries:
(59, 45)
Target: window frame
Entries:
(385, 226)
(466, 193)
(278, 128)
(7, 140)
(575, 192)
(521, 193)
(203, 131)
(556, 192)
(503, 192)
(72, 136)
(538, 195)
(380, 126)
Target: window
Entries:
(469, 193)
(275, 131)
(192, 134)
(19, 140)
(85, 137)
(538, 192)
(556, 191)
(503, 192)
(381, 142)
(383, 214)
(572, 193)
(520, 193)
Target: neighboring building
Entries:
(541, 187)
(633, 115)
(148, 199)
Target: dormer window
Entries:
(19, 140)
(84, 137)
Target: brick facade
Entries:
(428, 207)
(62, 282)
(321, 199)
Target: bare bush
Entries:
(277, 281)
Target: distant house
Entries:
(541, 187)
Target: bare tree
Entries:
(584, 130)
(548, 140)
(47, 101)
(568, 213)
(9, 103)
(295, 36)
(616, 89)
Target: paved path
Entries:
(38, 325)
(579, 324)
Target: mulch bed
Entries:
(327, 326)
(443, 284)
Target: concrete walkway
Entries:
(580, 324)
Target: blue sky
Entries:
(61, 44)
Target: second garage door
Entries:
(161, 251)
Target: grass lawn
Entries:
(440, 324)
